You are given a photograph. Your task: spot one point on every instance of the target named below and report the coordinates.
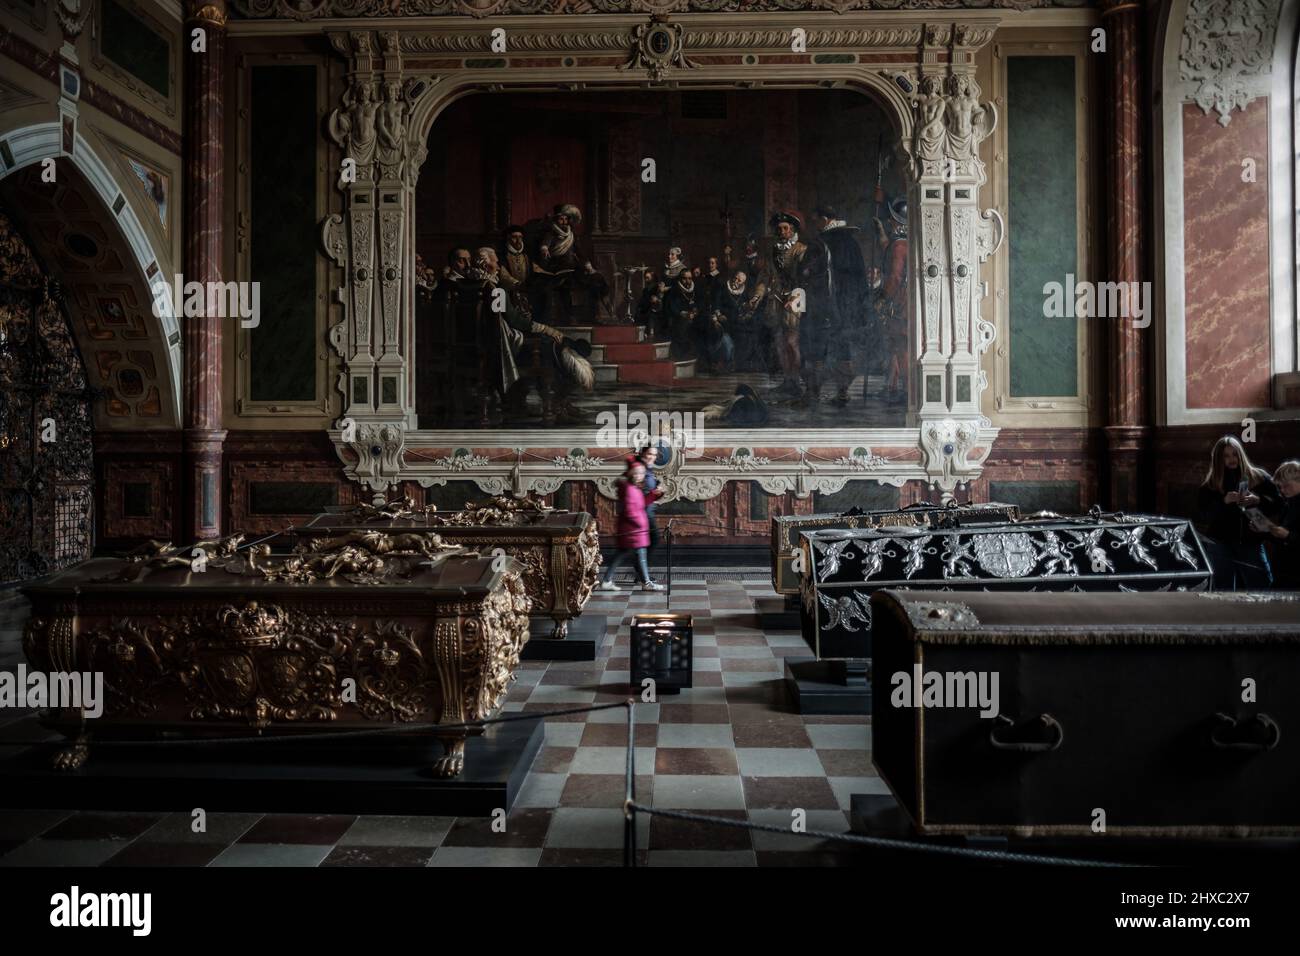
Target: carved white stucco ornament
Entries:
(1227, 50)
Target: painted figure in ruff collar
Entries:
(674, 265)
(799, 263)
(516, 263)
(683, 303)
(737, 315)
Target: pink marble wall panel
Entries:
(1226, 256)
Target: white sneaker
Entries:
(607, 586)
(652, 586)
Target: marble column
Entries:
(1127, 429)
(203, 435)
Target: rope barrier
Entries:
(630, 806)
(881, 842)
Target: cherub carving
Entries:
(846, 611)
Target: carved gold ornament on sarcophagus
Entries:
(397, 629)
(558, 551)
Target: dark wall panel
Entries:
(136, 48)
(283, 136)
(867, 495)
(291, 497)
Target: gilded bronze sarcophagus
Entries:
(558, 551)
(1102, 552)
(389, 629)
(787, 528)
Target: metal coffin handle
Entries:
(1048, 723)
(1225, 724)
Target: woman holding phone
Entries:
(1236, 499)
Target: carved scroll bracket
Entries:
(379, 449)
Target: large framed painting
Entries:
(615, 231)
(714, 258)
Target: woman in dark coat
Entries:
(1233, 487)
(1287, 531)
(633, 530)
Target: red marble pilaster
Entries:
(1226, 258)
(1126, 419)
(205, 72)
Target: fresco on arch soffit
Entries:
(316, 9)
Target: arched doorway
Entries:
(46, 469)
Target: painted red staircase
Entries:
(621, 353)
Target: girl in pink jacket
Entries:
(633, 531)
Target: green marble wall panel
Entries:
(284, 232)
(867, 495)
(454, 495)
(1042, 221)
(682, 507)
(135, 47)
(1059, 496)
(291, 497)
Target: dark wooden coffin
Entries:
(253, 644)
(1100, 553)
(1152, 714)
(558, 551)
(787, 528)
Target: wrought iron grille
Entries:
(46, 473)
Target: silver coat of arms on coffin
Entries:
(1006, 555)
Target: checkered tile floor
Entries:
(730, 746)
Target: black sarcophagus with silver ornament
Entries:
(1101, 552)
(923, 514)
